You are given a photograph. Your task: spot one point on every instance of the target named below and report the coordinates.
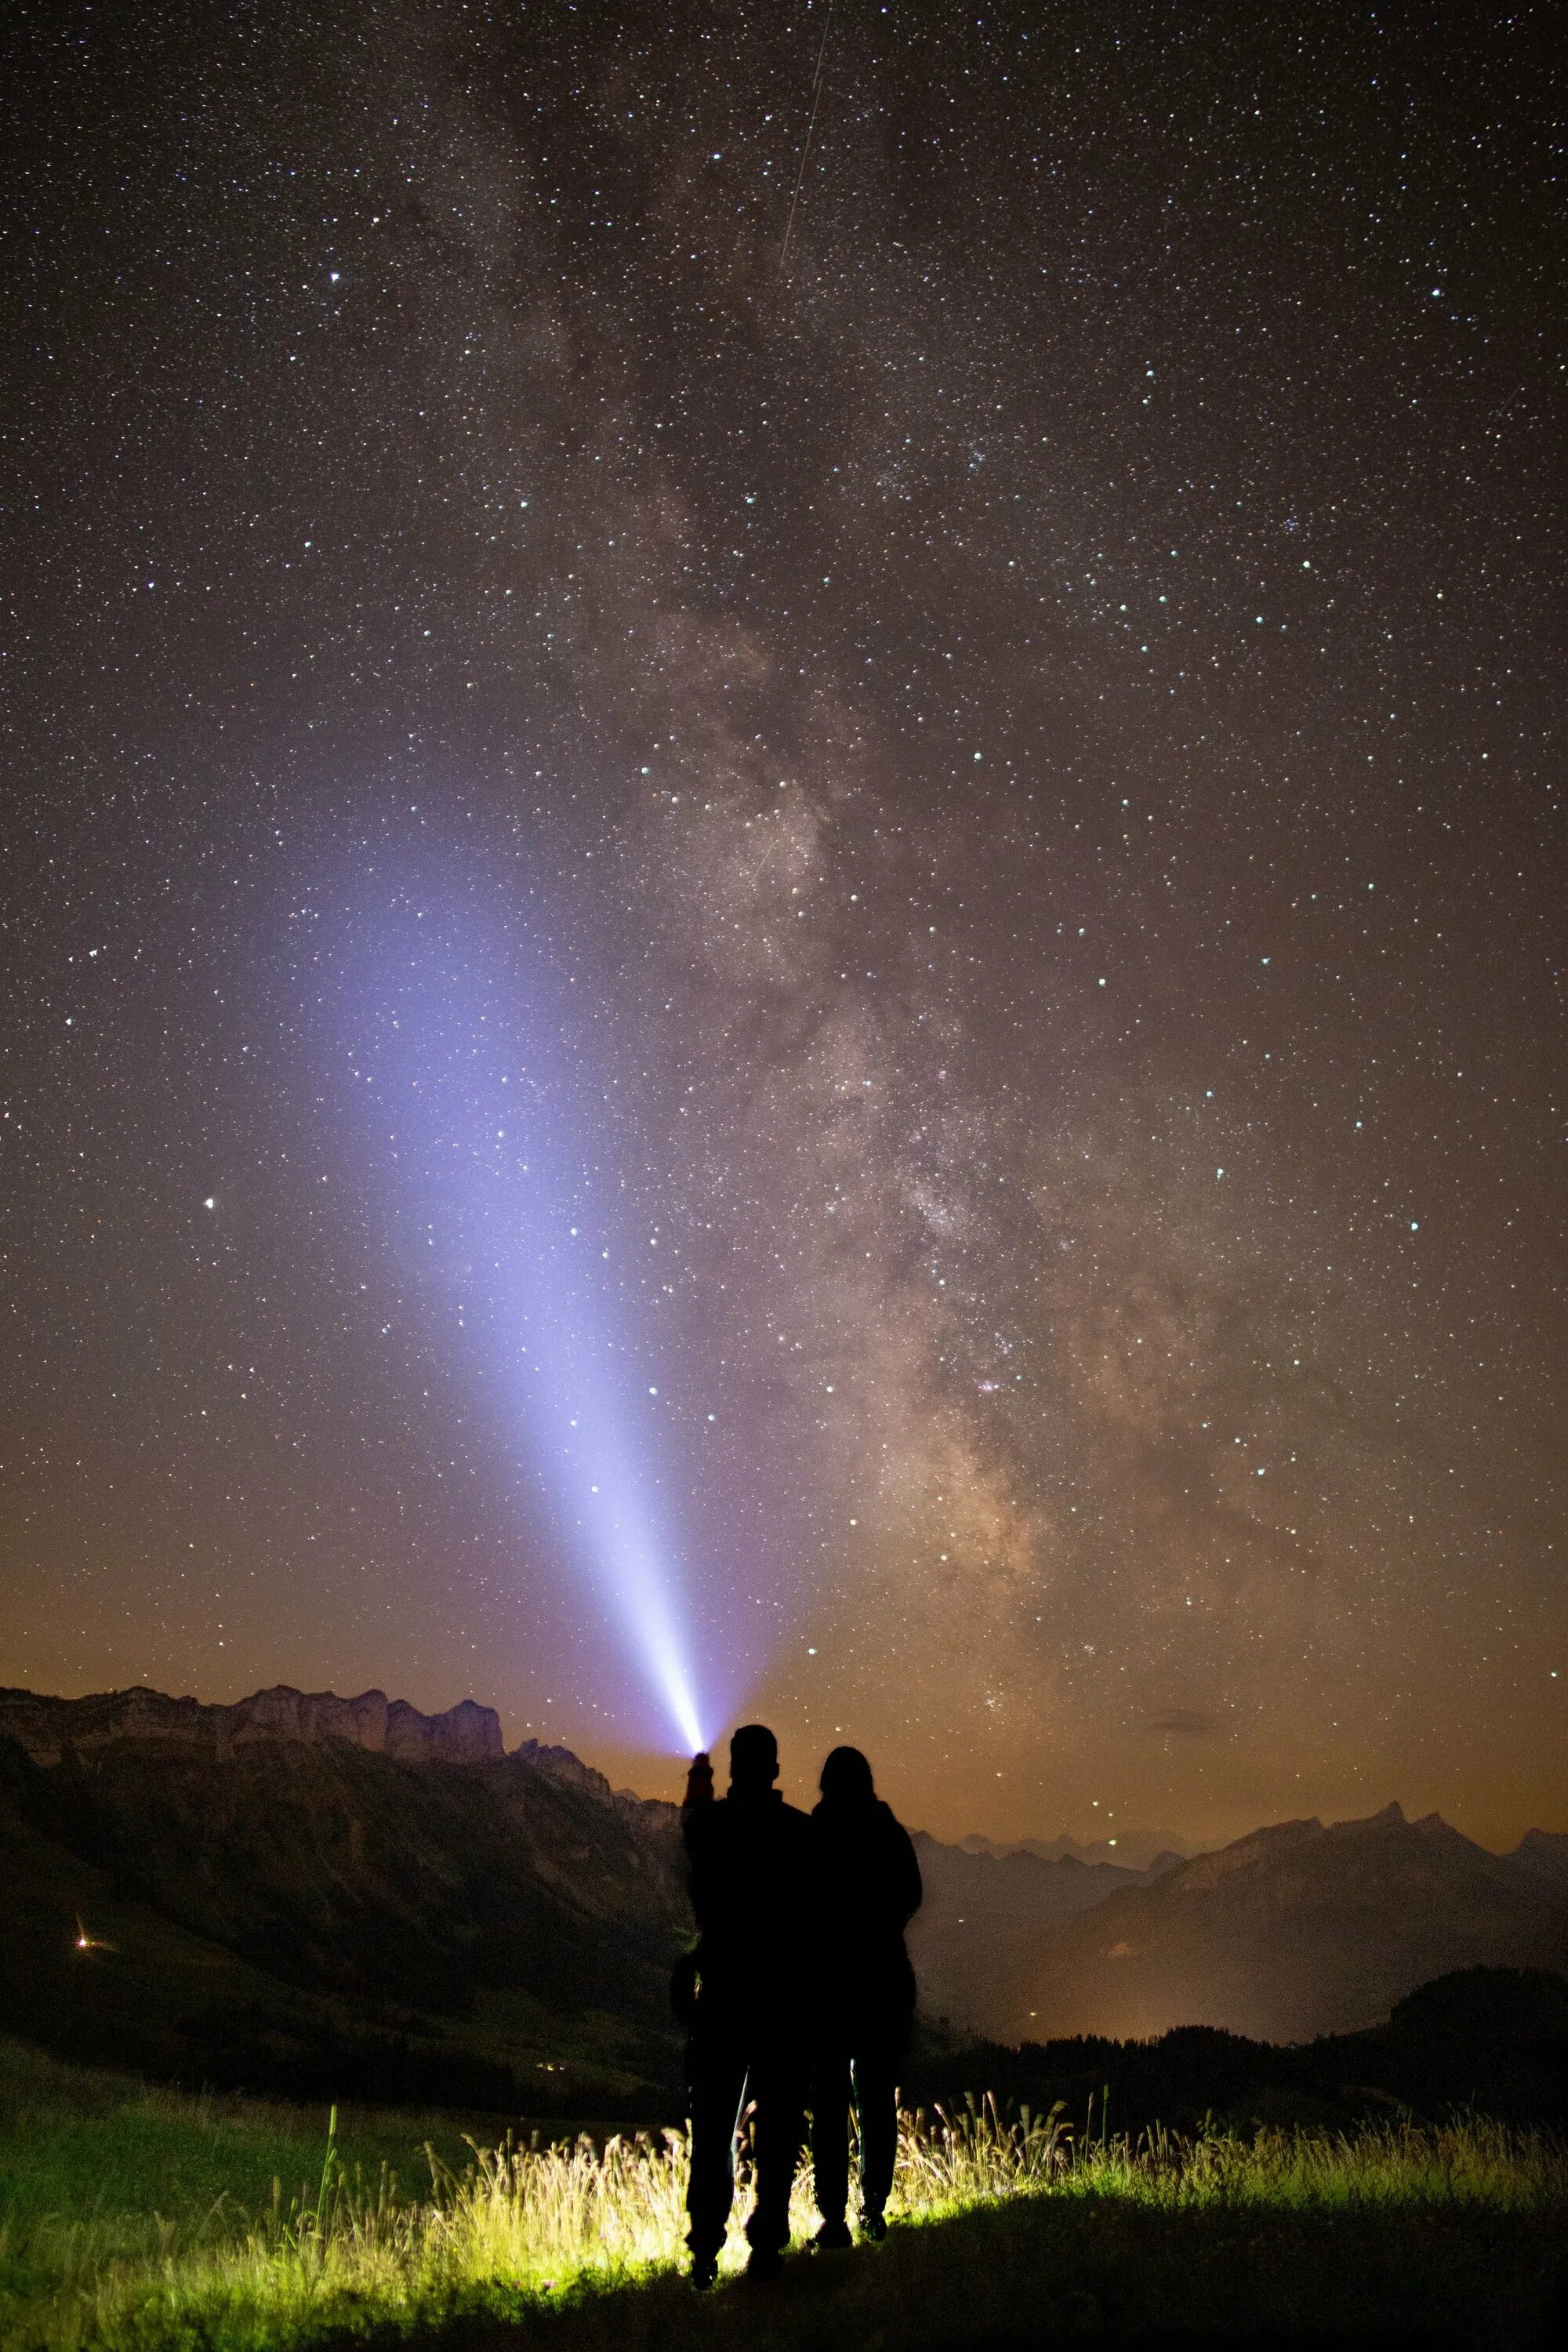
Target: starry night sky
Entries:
(990, 782)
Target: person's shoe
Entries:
(764, 2263)
(704, 2270)
(874, 2227)
(833, 2238)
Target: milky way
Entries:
(1021, 730)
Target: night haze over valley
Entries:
(782, 909)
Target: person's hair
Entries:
(846, 1778)
(754, 1754)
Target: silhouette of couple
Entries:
(798, 1994)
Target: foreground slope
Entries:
(147, 2222)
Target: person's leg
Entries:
(779, 2083)
(830, 2133)
(876, 2106)
(717, 2087)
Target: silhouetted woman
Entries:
(870, 1890)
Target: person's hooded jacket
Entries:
(870, 1890)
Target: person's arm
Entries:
(699, 1833)
(697, 1807)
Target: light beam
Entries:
(463, 1058)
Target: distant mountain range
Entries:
(986, 1918)
(1128, 1849)
(325, 1896)
(1296, 1930)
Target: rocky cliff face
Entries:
(652, 1817)
(47, 1729)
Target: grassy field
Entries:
(145, 2222)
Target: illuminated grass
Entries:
(515, 2234)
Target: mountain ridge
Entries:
(44, 1726)
(340, 1871)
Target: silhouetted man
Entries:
(870, 1889)
(751, 1871)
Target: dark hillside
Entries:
(310, 1916)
